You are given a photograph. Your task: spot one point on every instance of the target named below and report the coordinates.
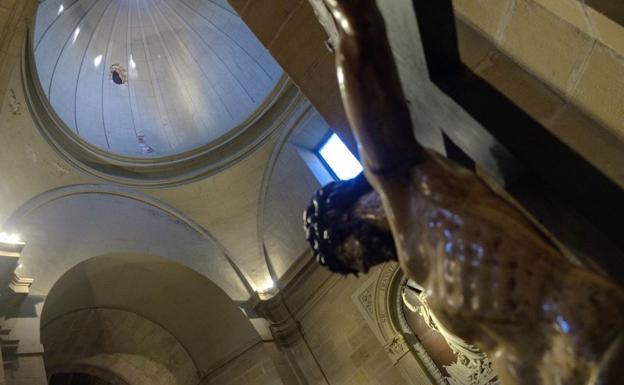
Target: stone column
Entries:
(293, 358)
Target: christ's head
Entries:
(347, 228)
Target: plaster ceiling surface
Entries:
(69, 230)
(280, 215)
(151, 78)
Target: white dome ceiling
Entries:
(151, 78)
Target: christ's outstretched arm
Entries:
(371, 88)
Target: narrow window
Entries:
(338, 159)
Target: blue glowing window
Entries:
(339, 159)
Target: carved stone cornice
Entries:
(13, 288)
(20, 285)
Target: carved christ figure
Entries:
(490, 275)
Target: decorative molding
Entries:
(16, 106)
(20, 285)
(166, 171)
(397, 348)
(379, 301)
(13, 288)
(366, 299)
(382, 301)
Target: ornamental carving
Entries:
(397, 347)
(14, 104)
(472, 366)
(366, 299)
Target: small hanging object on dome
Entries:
(145, 148)
(119, 75)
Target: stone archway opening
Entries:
(143, 319)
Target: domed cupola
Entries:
(151, 78)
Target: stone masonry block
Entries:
(601, 89)
(486, 15)
(546, 45)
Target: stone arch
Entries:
(214, 260)
(116, 309)
(74, 343)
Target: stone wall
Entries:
(126, 344)
(256, 366)
(562, 61)
(345, 347)
(27, 370)
(15, 17)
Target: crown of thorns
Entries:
(325, 220)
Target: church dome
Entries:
(151, 78)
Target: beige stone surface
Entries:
(546, 45)
(592, 140)
(28, 370)
(473, 46)
(487, 15)
(253, 367)
(522, 88)
(4, 15)
(609, 32)
(7, 3)
(346, 349)
(266, 17)
(572, 11)
(30, 165)
(129, 345)
(299, 42)
(170, 295)
(291, 31)
(601, 89)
